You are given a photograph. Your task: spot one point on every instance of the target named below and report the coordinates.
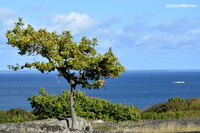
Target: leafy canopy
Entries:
(78, 63)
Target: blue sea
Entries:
(141, 88)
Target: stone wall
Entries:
(61, 125)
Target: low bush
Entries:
(165, 115)
(173, 104)
(15, 115)
(174, 108)
(51, 106)
(193, 104)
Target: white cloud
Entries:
(75, 22)
(169, 35)
(174, 34)
(5, 12)
(10, 21)
(7, 17)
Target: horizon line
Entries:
(125, 70)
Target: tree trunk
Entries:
(73, 113)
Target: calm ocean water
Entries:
(135, 88)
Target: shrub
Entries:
(193, 104)
(173, 104)
(176, 104)
(15, 115)
(51, 106)
(174, 108)
(166, 115)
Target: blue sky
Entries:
(144, 35)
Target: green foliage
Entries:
(173, 104)
(174, 108)
(176, 104)
(51, 106)
(193, 104)
(79, 63)
(15, 115)
(166, 115)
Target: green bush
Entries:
(166, 115)
(174, 108)
(51, 106)
(176, 104)
(173, 104)
(193, 104)
(15, 115)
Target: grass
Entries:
(164, 128)
(147, 127)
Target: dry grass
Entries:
(163, 128)
(146, 127)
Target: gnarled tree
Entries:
(78, 63)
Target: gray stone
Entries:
(97, 121)
(83, 124)
(47, 126)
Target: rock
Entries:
(83, 124)
(97, 121)
(47, 126)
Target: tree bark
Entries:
(73, 113)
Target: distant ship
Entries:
(178, 82)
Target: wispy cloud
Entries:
(175, 34)
(7, 17)
(180, 33)
(75, 22)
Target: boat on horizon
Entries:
(178, 82)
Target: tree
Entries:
(78, 63)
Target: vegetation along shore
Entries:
(175, 115)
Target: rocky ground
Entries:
(47, 126)
(63, 126)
